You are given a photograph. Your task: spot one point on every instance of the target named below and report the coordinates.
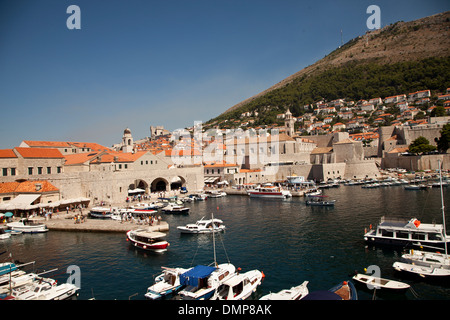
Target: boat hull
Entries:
(27, 229)
(275, 195)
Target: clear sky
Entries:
(167, 62)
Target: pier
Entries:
(66, 222)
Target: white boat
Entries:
(402, 232)
(215, 194)
(380, 283)
(423, 271)
(202, 282)
(269, 192)
(428, 264)
(44, 289)
(294, 293)
(167, 283)
(103, 212)
(27, 226)
(425, 258)
(4, 234)
(415, 187)
(239, 287)
(148, 240)
(203, 226)
(175, 208)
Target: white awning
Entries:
(137, 190)
(21, 202)
(211, 180)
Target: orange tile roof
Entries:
(65, 144)
(7, 153)
(26, 187)
(79, 158)
(39, 153)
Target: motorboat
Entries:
(239, 287)
(215, 194)
(342, 291)
(425, 258)
(27, 226)
(198, 196)
(147, 206)
(44, 289)
(175, 208)
(166, 284)
(428, 264)
(148, 240)
(7, 267)
(4, 234)
(103, 212)
(422, 271)
(294, 293)
(380, 283)
(403, 232)
(202, 282)
(415, 187)
(313, 193)
(203, 226)
(269, 192)
(319, 201)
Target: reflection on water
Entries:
(289, 241)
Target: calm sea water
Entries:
(289, 241)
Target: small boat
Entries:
(4, 234)
(166, 284)
(425, 258)
(313, 193)
(202, 282)
(380, 283)
(415, 187)
(147, 240)
(44, 289)
(269, 192)
(175, 208)
(294, 293)
(215, 194)
(203, 226)
(239, 287)
(319, 201)
(422, 271)
(27, 226)
(103, 212)
(342, 291)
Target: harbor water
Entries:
(286, 239)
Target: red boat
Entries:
(148, 240)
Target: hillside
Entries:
(404, 56)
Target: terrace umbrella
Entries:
(9, 214)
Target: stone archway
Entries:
(159, 184)
(177, 183)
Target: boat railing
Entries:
(393, 220)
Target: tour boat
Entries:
(380, 283)
(167, 283)
(44, 289)
(27, 226)
(401, 232)
(294, 293)
(239, 287)
(319, 201)
(203, 226)
(269, 192)
(202, 282)
(175, 208)
(148, 240)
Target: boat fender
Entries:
(263, 275)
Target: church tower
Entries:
(127, 141)
(289, 123)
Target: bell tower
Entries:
(289, 123)
(127, 141)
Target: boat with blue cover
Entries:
(342, 291)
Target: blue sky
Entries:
(140, 63)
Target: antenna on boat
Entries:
(214, 239)
(443, 207)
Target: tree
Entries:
(421, 145)
(444, 140)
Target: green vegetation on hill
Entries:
(353, 81)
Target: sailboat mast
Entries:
(443, 207)
(214, 239)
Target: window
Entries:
(126, 166)
(49, 170)
(13, 171)
(58, 169)
(218, 171)
(30, 171)
(5, 172)
(39, 170)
